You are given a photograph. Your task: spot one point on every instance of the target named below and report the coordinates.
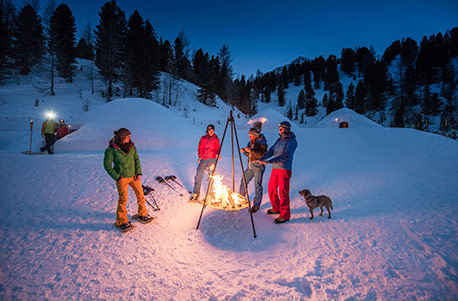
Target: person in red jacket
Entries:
(62, 130)
(207, 151)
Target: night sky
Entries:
(267, 34)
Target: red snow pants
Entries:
(278, 189)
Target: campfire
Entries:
(221, 197)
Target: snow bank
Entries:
(152, 126)
(353, 119)
(270, 120)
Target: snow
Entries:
(353, 119)
(393, 232)
(152, 125)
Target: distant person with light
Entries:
(48, 130)
(62, 129)
(281, 157)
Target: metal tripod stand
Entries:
(231, 121)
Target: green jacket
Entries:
(119, 164)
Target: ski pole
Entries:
(173, 178)
(162, 181)
(31, 131)
(147, 191)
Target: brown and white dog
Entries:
(316, 201)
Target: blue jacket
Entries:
(282, 152)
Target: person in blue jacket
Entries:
(280, 155)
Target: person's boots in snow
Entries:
(194, 197)
(143, 219)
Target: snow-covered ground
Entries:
(393, 232)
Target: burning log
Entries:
(223, 198)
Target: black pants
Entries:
(50, 140)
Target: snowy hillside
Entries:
(26, 98)
(392, 234)
(353, 120)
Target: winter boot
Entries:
(194, 197)
(143, 219)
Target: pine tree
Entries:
(206, 97)
(318, 67)
(267, 95)
(208, 70)
(360, 97)
(179, 57)
(364, 59)
(281, 95)
(331, 76)
(82, 49)
(350, 100)
(62, 34)
(398, 120)
(325, 100)
(311, 104)
(376, 79)
(5, 39)
(166, 57)
(148, 70)
(410, 87)
(339, 95)
(49, 10)
(391, 52)
(200, 63)
(347, 63)
(89, 53)
(224, 80)
(284, 80)
(301, 100)
(134, 53)
(419, 122)
(330, 104)
(28, 39)
(110, 35)
(289, 113)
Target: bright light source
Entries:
(50, 114)
(336, 120)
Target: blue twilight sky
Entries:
(265, 34)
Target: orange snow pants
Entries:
(123, 186)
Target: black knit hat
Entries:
(210, 127)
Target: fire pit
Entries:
(218, 195)
(222, 198)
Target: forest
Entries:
(411, 82)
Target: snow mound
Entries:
(353, 119)
(270, 120)
(152, 126)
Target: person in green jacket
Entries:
(122, 163)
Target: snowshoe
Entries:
(194, 198)
(144, 219)
(126, 227)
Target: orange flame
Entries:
(223, 195)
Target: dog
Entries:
(316, 201)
